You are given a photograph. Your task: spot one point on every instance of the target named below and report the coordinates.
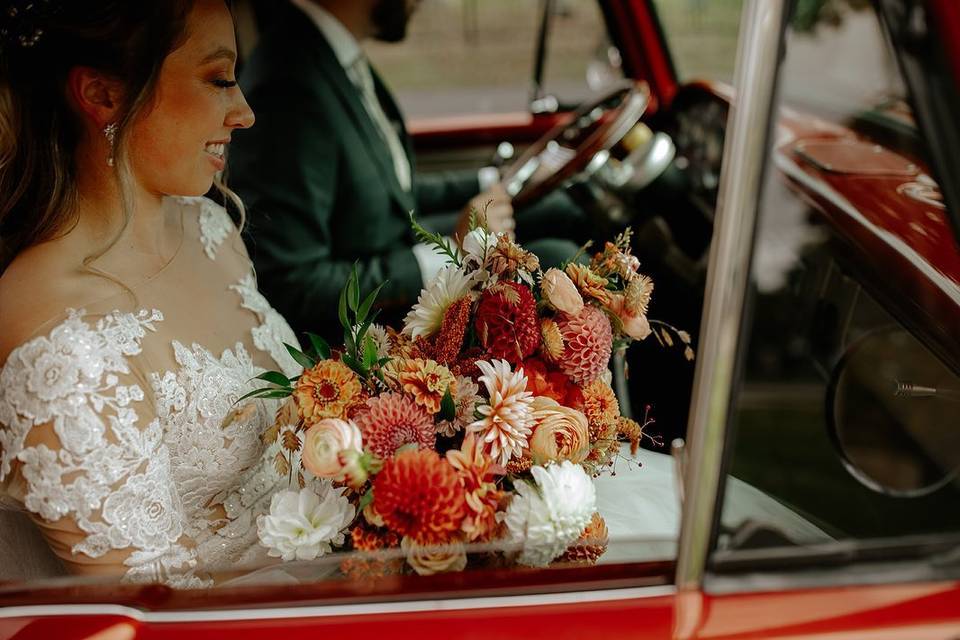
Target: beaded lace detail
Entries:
(137, 455)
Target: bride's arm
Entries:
(83, 452)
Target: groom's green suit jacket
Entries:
(318, 181)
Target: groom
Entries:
(328, 175)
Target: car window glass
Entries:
(473, 57)
(848, 397)
(702, 36)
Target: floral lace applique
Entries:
(215, 223)
(111, 474)
(273, 331)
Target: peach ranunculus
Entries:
(560, 292)
(561, 433)
(635, 326)
(328, 390)
(333, 448)
(427, 560)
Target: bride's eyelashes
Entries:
(224, 83)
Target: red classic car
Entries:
(794, 187)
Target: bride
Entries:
(129, 315)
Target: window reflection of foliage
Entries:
(810, 14)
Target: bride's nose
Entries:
(240, 115)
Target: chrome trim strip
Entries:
(727, 276)
(372, 608)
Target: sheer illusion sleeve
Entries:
(83, 451)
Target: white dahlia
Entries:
(305, 524)
(507, 420)
(447, 287)
(547, 517)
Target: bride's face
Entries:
(178, 144)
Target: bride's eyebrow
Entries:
(223, 53)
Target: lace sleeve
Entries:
(85, 451)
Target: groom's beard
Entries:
(390, 19)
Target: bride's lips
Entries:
(215, 150)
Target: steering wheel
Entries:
(580, 144)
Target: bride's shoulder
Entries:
(37, 292)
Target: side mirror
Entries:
(893, 413)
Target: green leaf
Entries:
(365, 500)
(302, 359)
(367, 303)
(448, 408)
(369, 352)
(275, 377)
(354, 364)
(342, 309)
(441, 245)
(349, 343)
(267, 392)
(353, 289)
(320, 346)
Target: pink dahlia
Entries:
(392, 420)
(588, 340)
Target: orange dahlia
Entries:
(328, 390)
(588, 283)
(601, 408)
(543, 380)
(425, 380)
(506, 322)
(420, 495)
(478, 473)
(588, 342)
(392, 420)
(369, 538)
(552, 347)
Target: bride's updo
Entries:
(40, 41)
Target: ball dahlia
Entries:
(420, 495)
(588, 341)
(392, 420)
(506, 322)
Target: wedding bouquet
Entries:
(480, 424)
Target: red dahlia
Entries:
(507, 322)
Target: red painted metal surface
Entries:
(903, 245)
(908, 611)
(915, 611)
(946, 18)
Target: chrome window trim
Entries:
(744, 155)
(326, 611)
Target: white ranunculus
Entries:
(447, 287)
(547, 517)
(305, 524)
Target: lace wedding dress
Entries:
(111, 417)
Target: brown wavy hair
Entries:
(39, 131)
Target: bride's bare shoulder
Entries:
(38, 287)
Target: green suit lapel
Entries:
(349, 96)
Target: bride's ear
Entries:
(96, 96)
